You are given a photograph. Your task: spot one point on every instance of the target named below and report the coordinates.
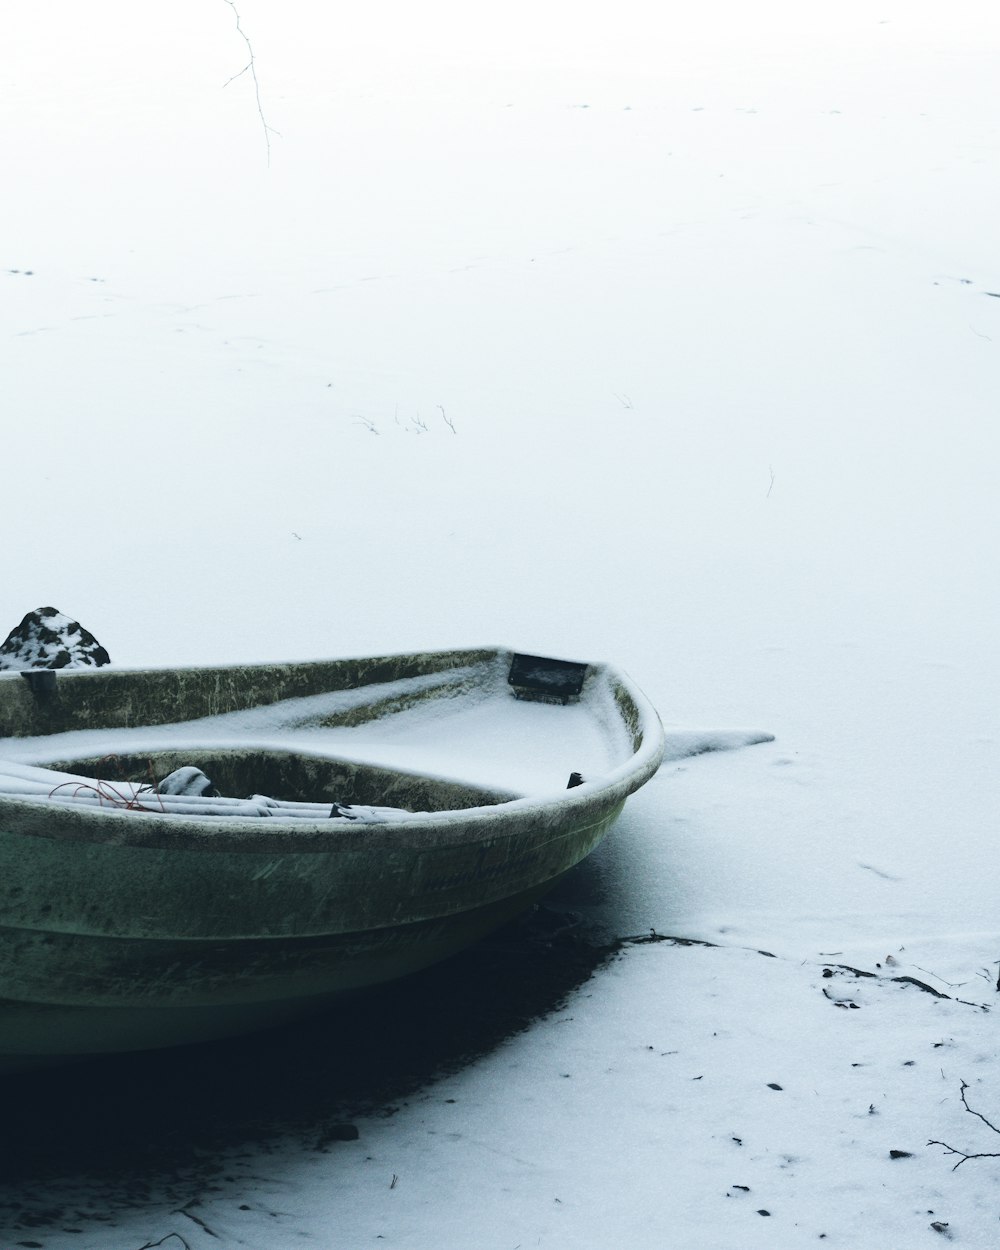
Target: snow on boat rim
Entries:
(616, 755)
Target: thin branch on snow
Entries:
(251, 67)
(967, 1155)
(150, 1245)
(908, 980)
(952, 985)
(980, 1154)
(978, 1114)
(195, 1220)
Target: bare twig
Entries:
(978, 1154)
(928, 989)
(908, 980)
(771, 484)
(978, 1114)
(150, 1245)
(972, 1154)
(196, 1220)
(952, 985)
(652, 937)
(251, 67)
(448, 421)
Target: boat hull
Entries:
(38, 1033)
(122, 931)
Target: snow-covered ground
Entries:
(661, 335)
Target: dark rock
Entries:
(46, 638)
(900, 1154)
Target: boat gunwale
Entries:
(418, 831)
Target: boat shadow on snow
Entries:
(130, 1124)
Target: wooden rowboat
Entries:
(412, 804)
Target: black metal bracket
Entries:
(550, 681)
(41, 680)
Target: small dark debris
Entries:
(900, 1154)
(828, 972)
(35, 1245)
(244, 1207)
(940, 1226)
(761, 1211)
(910, 1063)
(745, 1188)
(698, 1078)
(772, 1085)
(738, 1141)
(871, 1109)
